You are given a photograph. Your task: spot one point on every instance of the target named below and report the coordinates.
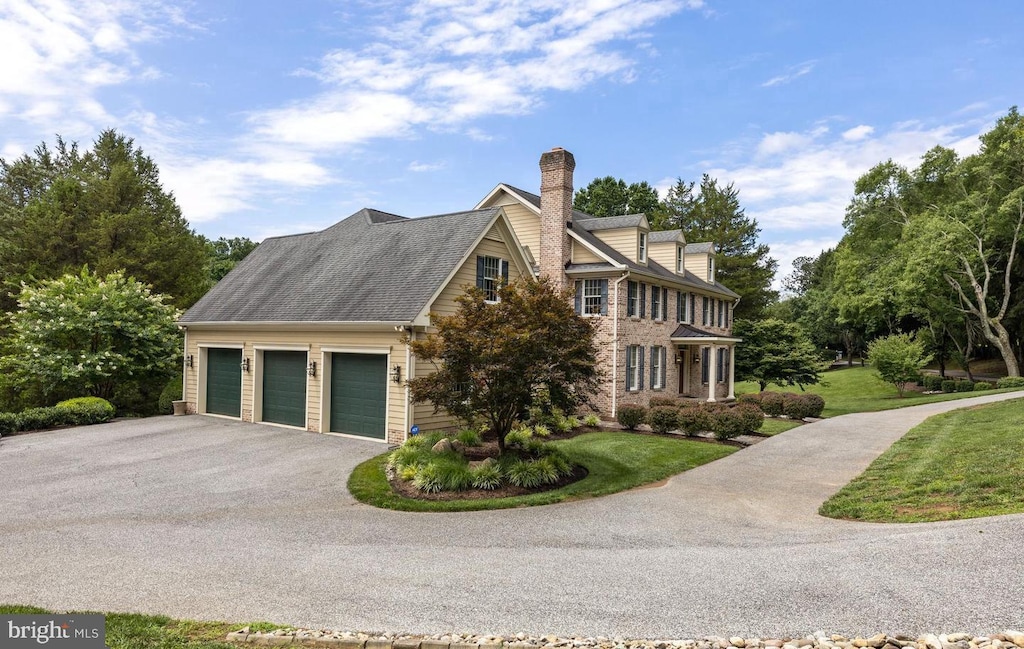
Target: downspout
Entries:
(615, 344)
(409, 374)
(185, 369)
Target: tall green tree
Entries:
(714, 214)
(610, 196)
(61, 209)
(224, 254)
(777, 352)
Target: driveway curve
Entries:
(213, 519)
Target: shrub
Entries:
(631, 416)
(771, 403)
(898, 359)
(39, 418)
(815, 404)
(658, 402)
(540, 430)
(559, 460)
(8, 423)
(982, 385)
(932, 382)
(796, 406)
(561, 423)
(750, 397)
(592, 420)
(727, 424)
(949, 385)
(525, 473)
(1010, 382)
(487, 476)
(965, 386)
(535, 447)
(443, 474)
(751, 416)
(663, 418)
(697, 418)
(83, 411)
(518, 436)
(170, 393)
(468, 436)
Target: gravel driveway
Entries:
(209, 518)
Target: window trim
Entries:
(657, 306)
(499, 279)
(632, 298)
(642, 248)
(658, 367)
(599, 296)
(680, 261)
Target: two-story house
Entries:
(307, 331)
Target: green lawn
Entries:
(775, 426)
(133, 631)
(961, 464)
(616, 461)
(857, 389)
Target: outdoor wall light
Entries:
(245, 364)
(396, 373)
(311, 368)
(188, 361)
(696, 359)
(678, 359)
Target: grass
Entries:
(134, 631)
(961, 464)
(615, 461)
(773, 426)
(857, 389)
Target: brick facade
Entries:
(556, 167)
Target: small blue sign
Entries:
(415, 430)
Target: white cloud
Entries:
(792, 73)
(858, 133)
(441, 64)
(418, 166)
(780, 142)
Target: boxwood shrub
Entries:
(73, 412)
(949, 385)
(1010, 382)
(663, 418)
(965, 386)
(631, 416)
(771, 403)
(982, 385)
(932, 382)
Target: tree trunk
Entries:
(998, 336)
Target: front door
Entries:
(684, 370)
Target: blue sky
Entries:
(276, 117)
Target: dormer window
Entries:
(711, 268)
(680, 260)
(643, 248)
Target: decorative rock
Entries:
(1016, 637)
(737, 641)
(443, 446)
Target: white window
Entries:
(656, 313)
(643, 247)
(721, 313)
(492, 278)
(632, 299)
(593, 296)
(680, 260)
(687, 308)
(711, 269)
(705, 315)
(657, 367)
(634, 367)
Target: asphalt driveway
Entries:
(208, 518)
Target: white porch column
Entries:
(732, 371)
(712, 373)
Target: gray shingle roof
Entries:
(689, 331)
(699, 247)
(609, 222)
(662, 236)
(372, 266)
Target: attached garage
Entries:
(359, 386)
(284, 387)
(224, 381)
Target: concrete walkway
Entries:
(202, 517)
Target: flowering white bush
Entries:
(86, 334)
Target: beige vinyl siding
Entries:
(581, 255)
(466, 275)
(624, 240)
(697, 263)
(371, 341)
(423, 413)
(664, 254)
(525, 223)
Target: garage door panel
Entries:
(224, 382)
(284, 387)
(359, 394)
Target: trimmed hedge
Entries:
(981, 386)
(663, 418)
(1010, 382)
(657, 402)
(631, 416)
(949, 385)
(73, 412)
(965, 386)
(772, 403)
(932, 382)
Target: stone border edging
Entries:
(347, 640)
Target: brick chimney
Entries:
(556, 167)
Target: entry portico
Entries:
(711, 354)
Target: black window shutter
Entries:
(629, 367)
(479, 271)
(679, 306)
(643, 298)
(641, 372)
(579, 297)
(604, 297)
(693, 306)
(664, 303)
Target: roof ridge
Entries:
(415, 219)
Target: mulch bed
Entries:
(406, 489)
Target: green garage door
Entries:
(224, 382)
(284, 388)
(359, 385)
